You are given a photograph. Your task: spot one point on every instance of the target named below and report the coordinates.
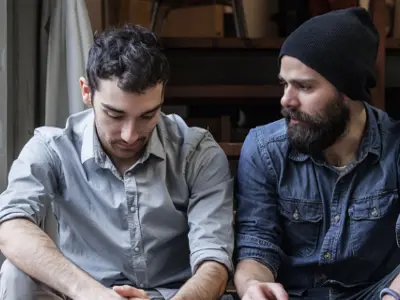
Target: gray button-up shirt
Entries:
(150, 227)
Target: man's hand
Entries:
(130, 292)
(265, 291)
(116, 293)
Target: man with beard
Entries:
(318, 204)
(144, 203)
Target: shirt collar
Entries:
(92, 149)
(87, 150)
(154, 145)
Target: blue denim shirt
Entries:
(311, 224)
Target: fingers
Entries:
(130, 292)
(276, 290)
(255, 292)
(266, 291)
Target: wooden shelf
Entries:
(237, 43)
(392, 44)
(230, 288)
(223, 91)
(221, 43)
(231, 149)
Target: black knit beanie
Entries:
(340, 45)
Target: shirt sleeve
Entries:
(210, 209)
(258, 232)
(397, 229)
(31, 183)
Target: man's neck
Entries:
(345, 149)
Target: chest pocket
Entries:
(372, 223)
(302, 222)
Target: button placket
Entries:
(336, 219)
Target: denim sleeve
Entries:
(258, 233)
(31, 183)
(398, 188)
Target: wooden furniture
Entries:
(190, 21)
(212, 72)
(237, 7)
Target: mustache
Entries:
(294, 114)
(141, 139)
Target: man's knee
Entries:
(15, 284)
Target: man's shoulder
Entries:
(271, 133)
(386, 124)
(175, 133)
(73, 130)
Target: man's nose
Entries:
(289, 97)
(129, 134)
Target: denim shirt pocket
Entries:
(372, 221)
(302, 222)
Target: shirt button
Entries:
(141, 285)
(136, 249)
(374, 212)
(296, 215)
(336, 219)
(133, 209)
(327, 255)
(129, 174)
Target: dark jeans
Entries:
(154, 296)
(370, 292)
(224, 297)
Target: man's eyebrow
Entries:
(109, 107)
(152, 110)
(298, 80)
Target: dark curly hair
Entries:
(132, 54)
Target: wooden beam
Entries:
(378, 9)
(236, 43)
(223, 91)
(221, 43)
(231, 149)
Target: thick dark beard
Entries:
(316, 133)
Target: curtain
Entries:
(70, 38)
(50, 42)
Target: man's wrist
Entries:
(251, 282)
(389, 292)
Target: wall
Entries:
(5, 130)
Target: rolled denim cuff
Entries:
(388, 291)
(265, 252)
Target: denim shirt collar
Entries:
(371, 142)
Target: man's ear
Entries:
(85, 92)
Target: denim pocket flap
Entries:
(301, 211)
(372, 208)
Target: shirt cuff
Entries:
(265, 252)
(217, 255)
(398, 231)
(13, 213)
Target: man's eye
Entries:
(147, 117)
(113, 116)
(305, 87)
